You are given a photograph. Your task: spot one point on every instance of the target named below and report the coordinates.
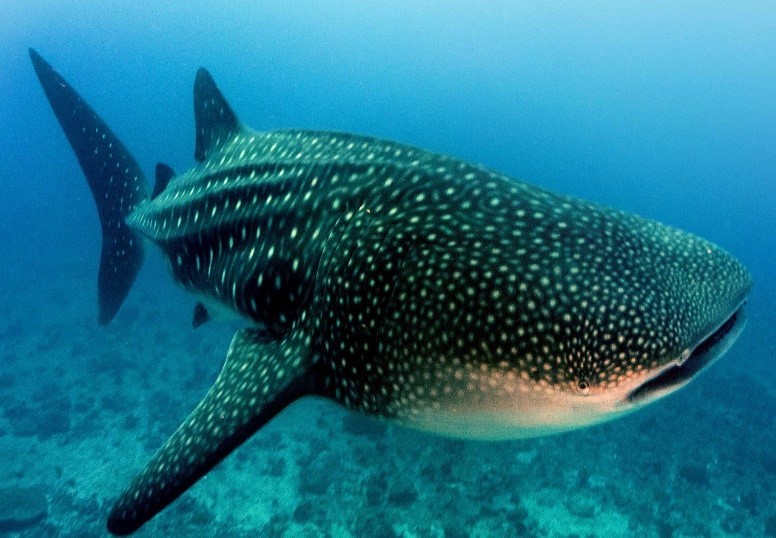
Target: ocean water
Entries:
(667, 110)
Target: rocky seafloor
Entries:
(83, 407)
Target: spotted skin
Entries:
(546, 294)
(408, 285)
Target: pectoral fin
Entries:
(259, 379)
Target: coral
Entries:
(21, 507)
(695, 474)
(275, 466)
(580, 504)
(770, 526)
(45, 420)
(374, 526)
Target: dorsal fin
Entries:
(163, 176)
(216, 122)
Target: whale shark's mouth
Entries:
(704, 353)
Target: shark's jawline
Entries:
(701, 356)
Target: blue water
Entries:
(667, 110)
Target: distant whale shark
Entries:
(400, 283)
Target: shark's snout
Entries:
(691, 362)
(721, 317)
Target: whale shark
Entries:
(400, 283)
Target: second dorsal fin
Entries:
(163, 176)
(201, 315)
(216, 122)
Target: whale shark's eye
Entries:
(583, 386)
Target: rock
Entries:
(770, 526)
(581, 505)
(402, 495)
(21, 507)
(695, 474)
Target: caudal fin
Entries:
(116, 182)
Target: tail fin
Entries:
(116, 182)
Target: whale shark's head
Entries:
(597, 313)
(668, 305)
(659, 325)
